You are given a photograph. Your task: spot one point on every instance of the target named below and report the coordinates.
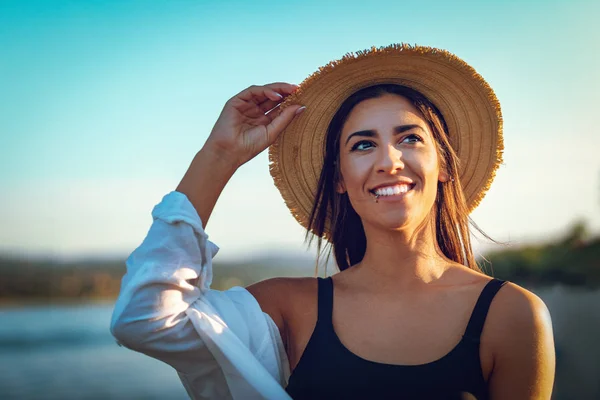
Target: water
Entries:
(67, 352)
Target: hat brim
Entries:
(465, 100)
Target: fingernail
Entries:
(300, 110)
(278, 95)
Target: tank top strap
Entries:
(475, 326)
(325, 302)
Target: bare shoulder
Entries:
(516, 309)
(279, 297)
(275, 292)
(518, 330)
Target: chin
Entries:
(397, 223)
(398, 218)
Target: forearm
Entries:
(205, 179)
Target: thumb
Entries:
(280, 122)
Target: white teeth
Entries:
(392, 190)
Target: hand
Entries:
(251, 121)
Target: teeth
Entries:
(392, 190)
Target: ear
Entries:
(443, 176)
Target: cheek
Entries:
(355, 172)
(428, 161)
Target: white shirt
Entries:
(221, 343)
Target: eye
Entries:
(362, 145)
(412, 139)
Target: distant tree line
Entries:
(41, 280)
(46, 279)
(572, 260)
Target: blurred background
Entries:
(103, 104)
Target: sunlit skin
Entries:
(385, 140)
(404, 303)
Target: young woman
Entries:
(384, 155)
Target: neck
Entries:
(403, 259)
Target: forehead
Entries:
(382, 112)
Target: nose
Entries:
(390, 160)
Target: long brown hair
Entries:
(333, 210)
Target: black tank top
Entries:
(328, 370)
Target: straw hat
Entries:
(467, 103)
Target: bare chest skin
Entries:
(400, 330)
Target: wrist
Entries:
(219, 158)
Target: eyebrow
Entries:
(373, 133)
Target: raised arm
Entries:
(244, 129)
(165, 307)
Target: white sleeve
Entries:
(166, 308)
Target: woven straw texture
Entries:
(467, 103)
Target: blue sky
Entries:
(104, 103)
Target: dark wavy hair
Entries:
(346, 233)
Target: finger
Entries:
(259, 94)
(268, 105)
(273, 113)
(273, 91)
(283, 88)
(282, 120)
(256, 111)
(253, 110)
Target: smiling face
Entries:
(389, 163)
